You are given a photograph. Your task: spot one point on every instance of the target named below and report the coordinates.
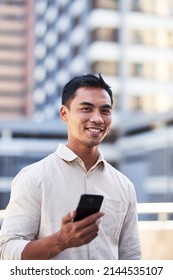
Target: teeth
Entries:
(94, 129)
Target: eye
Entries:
(106, 111)
(86, 109)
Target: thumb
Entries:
(69, 217)
(72, 214)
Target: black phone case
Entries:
(88, 205)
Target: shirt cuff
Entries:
(13, 249)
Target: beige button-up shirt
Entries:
(44, 192)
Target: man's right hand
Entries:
(75, 234)
(71, 234)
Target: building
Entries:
(130, 42)
(146, 155)
(16, 59)
(45, 43)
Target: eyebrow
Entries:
(90, 104)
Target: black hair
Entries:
(88, 80)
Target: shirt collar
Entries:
(67, 154)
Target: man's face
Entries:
(88, 117)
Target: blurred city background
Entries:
(44, 43)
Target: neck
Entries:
(88, 155)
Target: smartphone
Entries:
(88, 204)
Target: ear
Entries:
(63, 113)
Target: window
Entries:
(142, 70)
(136, 69)
(15, 59)
(136, 5)
(134, 103)
(144, 37)
(105, 67)
(105, 34)
(107, 4)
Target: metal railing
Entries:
(161, 209)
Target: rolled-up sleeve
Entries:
(21, 222)
(129, 243)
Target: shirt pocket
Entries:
(115, 212)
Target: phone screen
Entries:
(88, 205)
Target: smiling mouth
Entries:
(96, 130)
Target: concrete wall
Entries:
(156, 240)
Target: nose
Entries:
(96, 117)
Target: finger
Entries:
(73, 214)
(69, 217)
(88, 233)
(86, 228)
(90, 219)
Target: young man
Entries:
(39, 219)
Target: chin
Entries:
(93, 143)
